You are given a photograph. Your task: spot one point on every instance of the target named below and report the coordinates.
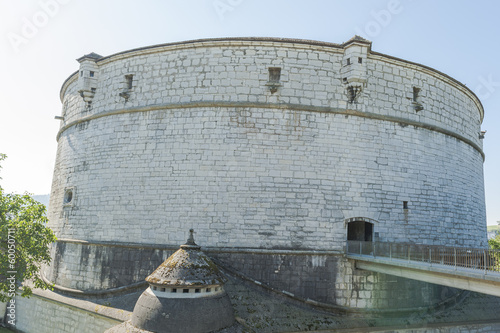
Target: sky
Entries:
(40, 41)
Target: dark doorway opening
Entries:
(360, 231)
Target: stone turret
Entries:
(185, 294)
(87, 79)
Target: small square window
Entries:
(197, 291)
(174, 290)
(274, 74)
(185, 291)
(208, 290)
(405, 204)
(162, 289)
(155, 288)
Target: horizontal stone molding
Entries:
(208, 249)
(292, 107)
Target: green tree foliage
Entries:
(24, 244)
(494, 243)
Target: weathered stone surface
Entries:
(188, 266)
(170, 315)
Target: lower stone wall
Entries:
(325, 277)
(333, 280)
(95, 267)
(41, 315)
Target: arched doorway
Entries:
(360, 231)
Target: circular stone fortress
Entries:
(276, 151)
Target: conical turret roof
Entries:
(188, 266)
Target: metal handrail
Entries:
(485, 260)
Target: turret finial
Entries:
(190, 240)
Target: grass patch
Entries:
(494, 227)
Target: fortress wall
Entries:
(326, 278)
(311, 75)
(264, 178)
(41, 315)
(200, 141)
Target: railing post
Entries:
(484, 261)
(455, 257)
(430, 256)
(390, 251)
(360, 245)
(409, 250)
(374, 248)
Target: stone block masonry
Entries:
(261, 143)
(41, 315)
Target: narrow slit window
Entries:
(129, 79)
(348, 61)
(91, 74)
(274, 74)
(360, 60)
(405, 204)
(416, 94)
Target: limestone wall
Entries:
(326, 278)
(201, 142)
(256, 177)
(41, 315)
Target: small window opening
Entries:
(274, 74)
(344, 80)
(174, 290)
(154, 288)
(216, 288)
(208, 290)
(68, 196)
(416, 93)
(81, 73)
(91, 74)
(130, 79)
(93, 90)
(162, 289)
(197, 291)
(405, 204)
(360, 60)
(348, 61)
(185, 291)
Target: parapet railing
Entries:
(484, 260)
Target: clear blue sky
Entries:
(40, 40)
